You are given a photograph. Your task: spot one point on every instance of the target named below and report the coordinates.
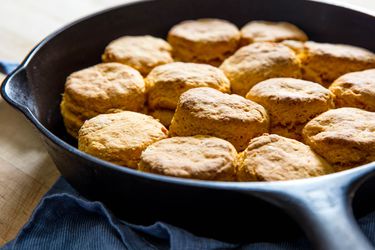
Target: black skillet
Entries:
(321, 206)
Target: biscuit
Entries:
(166, 83)
(140, 52)
(266, 31)
(324, 62)
(297, 46)
(290, 103)
(344, 136)
(120, 137)
(355, 89)
(207, 111)
(292, 131)
(164, 116)
(257, 62)
(276, 158)
(198, 157)
(101, 89)
(204, 40)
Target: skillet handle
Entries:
(322, 207)
(15, 88)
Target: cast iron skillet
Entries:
(321, 206)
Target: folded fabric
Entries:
(7, 67)
(65, 220)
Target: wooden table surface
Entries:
(26, 171)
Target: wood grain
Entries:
(26, 171)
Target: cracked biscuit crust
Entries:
(101, 89)
(344, 136)
(197, 157)
(166, 83)
(266, 31)
(140, 52)
(325, 62)
(276, 158)
(355, 89)
(258, 62)
(291, 103)
(204, 40)
(209, 112)
(120, 137)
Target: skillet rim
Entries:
(150, 176)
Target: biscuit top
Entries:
(123, 128)
(290, 90)
(257, 62)
(198, 157)
(297, 46)
(167, 82)
(106, 86)
(260, 54)
(344, 125)
(120, 137)
(291, 101)
(140, 52)
(276, 158)
(339, 51)
(208, 102)
(265, 31)
(206, 29)
(355, 89)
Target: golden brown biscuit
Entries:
(291, 103)
(204, 40)
(266, 31)
(164, 116)
(276, 158)
(198, 157)
(140, 52)
(166, 83)
(344, 136)
(297, 46)
(101, 89)
(207, 111)
(324, 62)
(355, 89)
(120, 137)
(257, 62)
(293, 131)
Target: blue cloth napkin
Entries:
(7, 67)
(66, 220)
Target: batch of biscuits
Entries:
(214, 102)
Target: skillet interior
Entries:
(204, 211)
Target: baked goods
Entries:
(355, 89)
(207, 124)
(140, 52)
(100, 89)
(164, 116)
(167, 82)
(257, 62)
(276, 158)
(120, 137)
(345, 137)
(297, 46)
(204, 40)
(208, 111)
(291, 103)
(197, 157)
(324, 62)
(266, 31)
